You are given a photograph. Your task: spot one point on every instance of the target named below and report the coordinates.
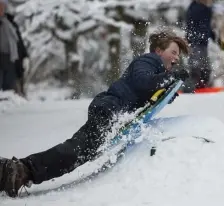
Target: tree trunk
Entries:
(138, 40)
(114, 54)
(73, 75)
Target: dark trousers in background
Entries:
(199, 68)
(74, 152)
(7, 73)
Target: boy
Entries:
(145, 75)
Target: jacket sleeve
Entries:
(145, 78)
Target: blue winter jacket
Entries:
(198, 24)
(145, 75)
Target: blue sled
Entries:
(134, 131)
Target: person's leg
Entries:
(199, 69)
(65, 157)
(20, 78)
(193, 65)
(9, 74)
(1, 78)
(74, 152)
(56, 161)
(2, 68)
(205, 70)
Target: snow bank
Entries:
(9, 100)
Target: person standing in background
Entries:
(22, 61)
(12, 53)
(198, 33)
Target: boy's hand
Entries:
(173, 98)
(181, 74)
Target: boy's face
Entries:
(170, 55)
(2, 9)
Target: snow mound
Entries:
(185, 170)
(10, 100)
(183, 167)
(47, 92)
(190, 125)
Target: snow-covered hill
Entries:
(184, 171)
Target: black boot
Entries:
(13, 175)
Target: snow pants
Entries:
(82, 147)
(7, 73)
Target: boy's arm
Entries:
(145, 78)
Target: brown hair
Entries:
(163, 39)
(205, 2)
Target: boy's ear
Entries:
(158, 51)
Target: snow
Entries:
(43, 91)
(14, 101)
(184, 171)
(87, 25)
(44, 23)
(64, 35)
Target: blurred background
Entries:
(76, 48)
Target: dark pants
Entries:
(74, 152)
(7, 73)
(199, 68)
